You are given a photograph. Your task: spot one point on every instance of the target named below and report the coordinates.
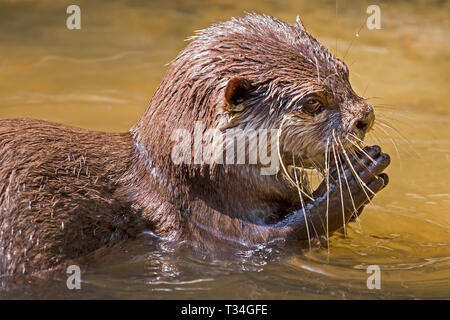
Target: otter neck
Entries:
(239, 191)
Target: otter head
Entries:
(257, 72)
(279, 76)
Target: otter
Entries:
(66, 192)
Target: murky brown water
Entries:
(102, 77)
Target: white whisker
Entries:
(340, 183)
(301, 201)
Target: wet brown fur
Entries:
(66, 192)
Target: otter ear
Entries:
(236, 92)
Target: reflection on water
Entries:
(102, 76)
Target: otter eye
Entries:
(313, 106)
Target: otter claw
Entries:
(385, 177)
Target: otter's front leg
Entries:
(349, 189)
(346, 194)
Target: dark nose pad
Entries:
(363, 123)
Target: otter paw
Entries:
(353, 182)
(364, 174)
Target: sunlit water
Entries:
(102, 76)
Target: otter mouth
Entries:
(336, 147)
(307, 172)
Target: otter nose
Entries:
(362, 125)
(363, 122)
